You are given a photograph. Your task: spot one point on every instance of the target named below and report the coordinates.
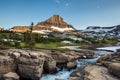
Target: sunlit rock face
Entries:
(54, 23)
(20, 28)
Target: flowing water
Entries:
(65, 73)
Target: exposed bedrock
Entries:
(106, 68)
(17, 63)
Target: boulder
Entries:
(25, 54)
(60, 58)
(118, 50)
(50, 66)
(30, 72)
(106, 57)
(114, 68)
(34, 55)
(11, 76)
(16, 55)
(30, 68)
(4, 52)
(71, 65)
(86, 54)
(105, 63)
(6, 64)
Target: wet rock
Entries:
(50, 66)
(71, 65)
(11, 76)
(59, 79)
(75, 78)
(77, 75)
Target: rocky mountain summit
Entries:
(54, 23)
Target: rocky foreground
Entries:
(106, 68)
(17, 64)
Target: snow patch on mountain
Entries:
(41, 31)
(99, 29)
(61, 29)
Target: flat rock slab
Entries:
(11, 76)
(95, 72)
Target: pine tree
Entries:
(32, 39)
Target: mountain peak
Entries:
(54, 23)
(55, 19)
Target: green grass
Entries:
(51, 45)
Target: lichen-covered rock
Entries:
(11, 76)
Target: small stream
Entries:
(65, 73)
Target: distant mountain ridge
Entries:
(54, 23)
(103, 29)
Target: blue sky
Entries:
(79, 13)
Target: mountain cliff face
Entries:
(20, 28)
(54, 23)
(55, 20)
